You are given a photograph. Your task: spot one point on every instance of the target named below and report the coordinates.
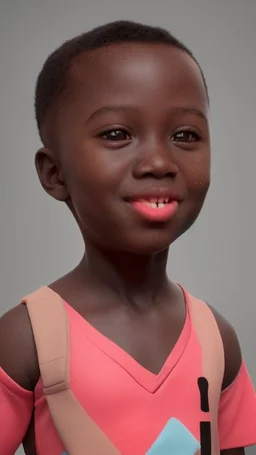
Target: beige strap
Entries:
(76, 429)
(207, 330)
(50, 328)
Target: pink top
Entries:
(141, 412)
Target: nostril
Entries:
(155, 166)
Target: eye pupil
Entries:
(185, 136)
(121, 135)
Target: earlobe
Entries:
(50, 174)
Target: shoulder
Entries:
(232, 350)
(18, 356)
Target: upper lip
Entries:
(154, 193)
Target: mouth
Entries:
(155, 209)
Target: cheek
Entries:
(90, 165)
(197, 182)
(83, 173)
(198, 176)
(86, 180)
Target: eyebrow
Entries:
(105, 109)
(178, 110)
(189, 110)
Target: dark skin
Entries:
(132, 121)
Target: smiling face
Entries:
(132, 149)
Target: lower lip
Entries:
(156, 213)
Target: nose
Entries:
(156, 162)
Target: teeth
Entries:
(155, 205)
(151, 204)
(154, 200)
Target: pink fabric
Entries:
(130, 404)
(16, 406)
(237, 413)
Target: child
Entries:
(122, 112)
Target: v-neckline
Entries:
(145, 378)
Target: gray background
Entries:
(216, 259)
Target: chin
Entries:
(152, 243)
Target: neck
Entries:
(135, 279)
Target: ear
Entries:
(50, 174)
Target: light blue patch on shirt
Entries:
(175, 439)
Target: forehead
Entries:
(135, 74)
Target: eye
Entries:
(185, 136)
(116, 135)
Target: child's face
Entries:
(152, 102)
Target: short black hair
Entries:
(53, 78)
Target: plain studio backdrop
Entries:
(39, 240)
